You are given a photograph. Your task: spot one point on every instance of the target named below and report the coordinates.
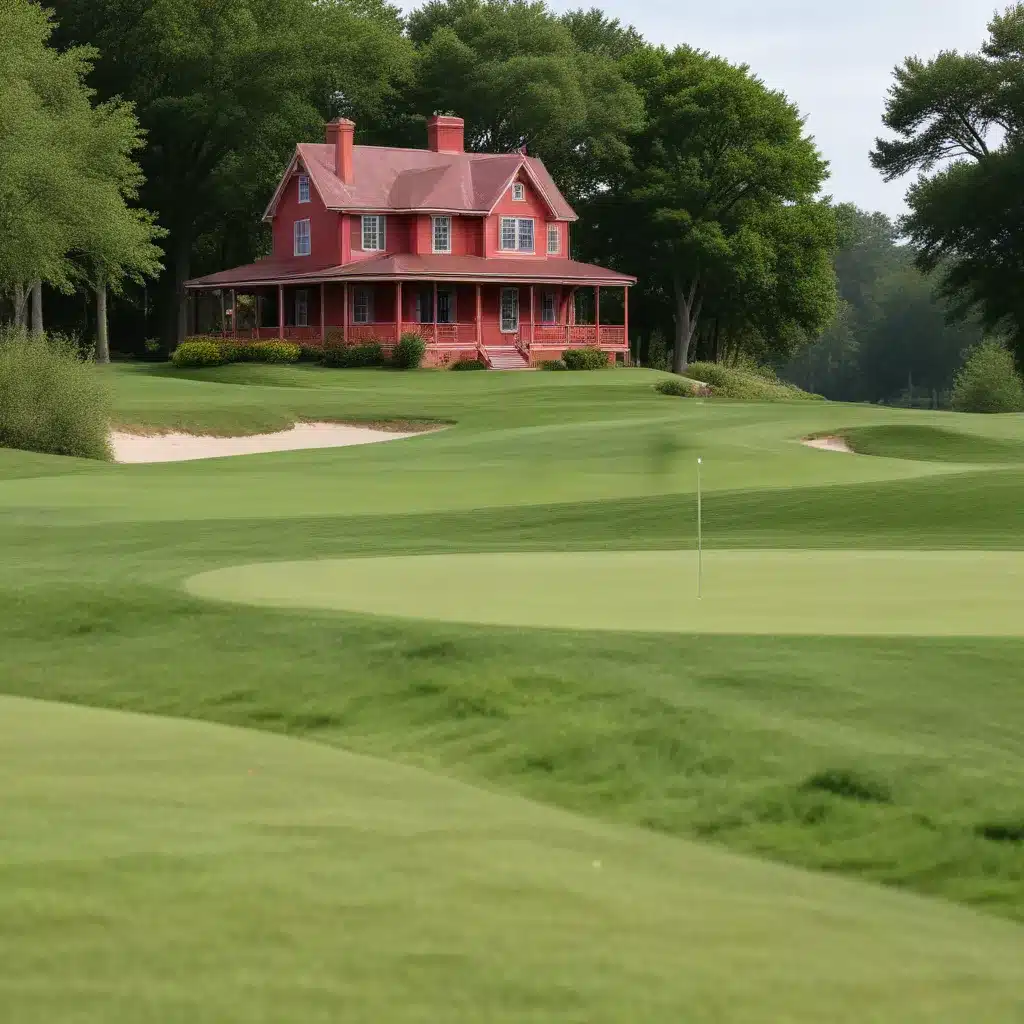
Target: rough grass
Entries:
(51, 400)
(746, 384)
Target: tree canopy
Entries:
(958, 120)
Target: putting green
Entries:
(890, 593)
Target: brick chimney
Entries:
(445, 134)
(340, 134)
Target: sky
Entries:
(833, 59)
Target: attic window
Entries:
(519, 192)
(303, 188)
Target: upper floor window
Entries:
(554, 240)
(303, 188)
(442, 234)
(373, 233)
(516, 234)
(303, 245)
(518, 191)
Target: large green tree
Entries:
(523, 77)
(958, 120)
(718, 209)
(67, 170)
(225, 89)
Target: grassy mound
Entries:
(932, 444)
(745, 384)
(188, 872)
(51, 400)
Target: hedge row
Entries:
(197, 352)
(211, 351)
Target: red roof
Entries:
(420, 180)
(406, 267)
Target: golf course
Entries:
(461, 727)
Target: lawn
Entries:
(896, 760)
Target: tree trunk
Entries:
(102, 341)
(20, 310)
(687, 318)
(37, 308)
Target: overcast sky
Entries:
(834, 59)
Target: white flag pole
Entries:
(700, 539)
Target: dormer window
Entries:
(442, 234)
(516, 234)
(519, 192)
(303, 188)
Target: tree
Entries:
(67, 172)
(718, 209)
(224, 91)
(958, 121)
(522, 77)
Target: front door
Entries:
(509, 310)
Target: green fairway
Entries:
(846, 699)
(882, 593)
(175, 871)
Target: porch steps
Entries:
(506, 357)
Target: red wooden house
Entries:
(470, 250)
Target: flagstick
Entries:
(700, 540)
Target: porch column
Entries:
(280, 311)
(597, 314)
(234, 314)
(223, 315)
(257, 300)
(532, 325)
(398, 310)
(625, 317)
(323, 314)
(479, 318)
(344, 313)
(435, 312)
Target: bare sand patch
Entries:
(833, 443)
(132, 447)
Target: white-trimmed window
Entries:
(303, 188)
(509, 310)
(554, 240)
(516, 234)
(442, 234)
(548, 314)
(302, 308)
(362, 306)
(373, 232)
(303, 243)
(518, 191)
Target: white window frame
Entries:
(362, 311)
(517, 224)
(510, 325)
(443, 222)
(518, 192)
(548, 298)
(304, 188)
(373, 226)
(302, 238)
(554, 240)
(302, 307)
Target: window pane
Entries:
(526, 234)
(442, 234)
(302, 240)
(508, 232)
(547, 310)
(303, 189)
(554, 241)
(509, 309)
(361, 313)
(373, 233)
(518, 191)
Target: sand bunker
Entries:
(829, 444)
(177, 447)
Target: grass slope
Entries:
(933, 444)
(187, 872)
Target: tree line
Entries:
(686, 169)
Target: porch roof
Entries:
(411, 267)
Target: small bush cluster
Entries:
(350, 357)
(51, 398)
(680, 387)
(468, 364)
(553, 364)
(988, 382)
(409, 352)
(746, 384)
(585, 359)
(199, 352)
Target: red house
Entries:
(470, 250)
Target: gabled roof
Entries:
(420, 180)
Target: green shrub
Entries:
(988, 382)
(311, 353)
(468, 364)
(746, 385)
(273, 352)
(409, 352)
(366, 353)
(553, 364)
(680, 387)
(585, 359)
(51, 399)
(198, 352)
